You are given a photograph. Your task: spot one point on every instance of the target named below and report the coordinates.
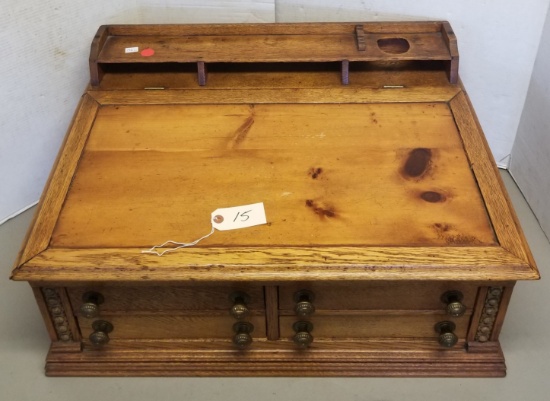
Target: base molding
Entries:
(330, 359)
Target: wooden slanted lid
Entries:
(357, 185)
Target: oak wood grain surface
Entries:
(268, 264)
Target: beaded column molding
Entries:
(58, 314)
(489, 314)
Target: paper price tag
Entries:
(131, 49)
(229, 218)
(232, 218)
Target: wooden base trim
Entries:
(281, 359)
(427, 369)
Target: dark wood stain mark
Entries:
(418, 162)
(240, 133)
(315, 172)
(444, 232)
(432, 197)
(322, 211)
(373, 118)
(461, 239)
(442, 227)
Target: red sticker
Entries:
(147, 52)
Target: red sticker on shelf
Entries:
(147, 52)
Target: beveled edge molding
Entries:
(488, 317)
(275, 95)
(277, 264)
(498, 204)
(412, 358)
(51, 201)
(58, 314)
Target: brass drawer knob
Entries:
(239, 310)
(100, 335)
(446, 336)
(90, 307)
(453, 299)
(304, 303)
(242, 338)
(303, 337)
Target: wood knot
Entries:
(322, 211)
(315, 172)
(418, 162)
(432, 196)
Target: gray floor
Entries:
(24, 343)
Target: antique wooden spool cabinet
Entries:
(390, 247)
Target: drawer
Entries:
(354, 326)
(154, 327)
(377, 296)
(166, 298)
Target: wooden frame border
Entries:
(203, 95)
(497, 202)
(310, 28)
(511, 262)
(49, 207)
(277, 265)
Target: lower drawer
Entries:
(356, 326)
(142, 327)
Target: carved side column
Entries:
(489, 314)
(57, 313)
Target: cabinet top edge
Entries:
(278, 264)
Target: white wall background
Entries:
(530, 164)
(497, 42)
(44, 70)
(46, 44)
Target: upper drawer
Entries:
(165, 298)
(377, 295)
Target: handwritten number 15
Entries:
(243, 216)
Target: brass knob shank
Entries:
(447, 338)
(90, 307)
(242, 338)
(100, 335)
(239, 310)
(304, 303)
(303, 337)
(453, 299)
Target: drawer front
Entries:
(155, 327)
(354, 326)
(377, 296)
(165, 298)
